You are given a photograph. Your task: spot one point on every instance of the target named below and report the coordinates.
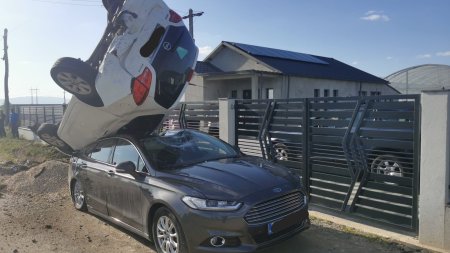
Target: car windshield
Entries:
(176, 149)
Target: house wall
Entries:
(214, 89)
(230, 60)
(195, 91)
(304, 87)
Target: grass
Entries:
(18, 151)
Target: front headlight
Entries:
(211, 205)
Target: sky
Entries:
(376, 36)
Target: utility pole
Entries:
(5, 58)
(32, 96)
(33, 93)
(191, 20)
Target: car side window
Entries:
(102, 151)
(125, 152)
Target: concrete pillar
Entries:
(227, 127)
(434, 210)
(255, 87)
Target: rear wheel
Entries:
(387, 165)
(49, 133)
(167, 233)
(78, 78)
(281, 152)
(78, 197)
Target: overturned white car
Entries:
(137, 73)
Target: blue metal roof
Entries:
(305, 65)
(206, 67)
(278, 53)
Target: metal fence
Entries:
(357, 155)
(202, 116)
(36, 114)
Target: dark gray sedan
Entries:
(189, 192)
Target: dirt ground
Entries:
(36, 215)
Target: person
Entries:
(14, 123)
(2, 124)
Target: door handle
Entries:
(82, 165)
(111, 172)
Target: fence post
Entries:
(227, 125)
(434, 206)
(306, 146)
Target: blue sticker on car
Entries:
(182, 52)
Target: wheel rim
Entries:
(78, 195)
(281, 154)
(53, 140)
(389, 167)
(167, 235)
(74, 83)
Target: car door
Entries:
(125, 198)
(96, 167)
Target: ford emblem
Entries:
(276, 190)
(167, 46)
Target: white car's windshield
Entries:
(182, 148)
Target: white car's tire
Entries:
(49, 133)
(78, 78)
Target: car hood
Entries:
(234, 179)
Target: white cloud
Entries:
(355, 63)
(445, 54)
(389, 58)
(375, 16)
(423, 56)
(204, 51)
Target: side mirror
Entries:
(126, 168)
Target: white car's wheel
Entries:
(387, 165)
(48, 133)
(78, 78)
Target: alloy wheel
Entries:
(167, 235)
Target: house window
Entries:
(247, 94)
(363, 93)
(375, 93)
(234, 94)
(335, 93)
(326, 93)
(316, 93)
(269, 93)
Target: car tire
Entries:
(78, 197)
(49, 133)
(387, 165)
(280, 152)
(78, 78)
(167, 232)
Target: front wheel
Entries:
(78, 78)
(167, 233)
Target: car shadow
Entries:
(138, 238)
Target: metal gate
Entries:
(358, 155)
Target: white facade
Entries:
(241, 72)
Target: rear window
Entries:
(173, 64)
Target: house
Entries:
(236, 70)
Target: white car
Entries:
(137, 73)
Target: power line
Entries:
(86, 3)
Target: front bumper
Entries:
(200, 227)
